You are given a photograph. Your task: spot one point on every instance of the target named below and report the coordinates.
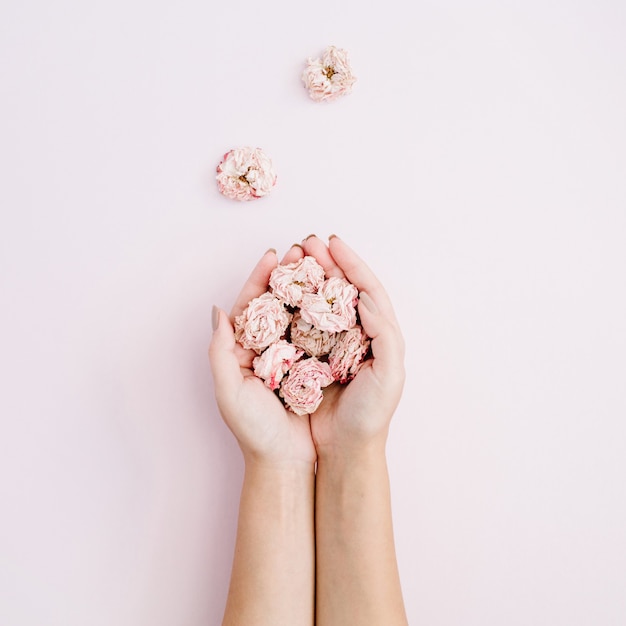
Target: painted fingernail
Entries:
(331, 236)
(271, 250)
(215, 317)
(309, 236)
(296, 245)
(367, 302)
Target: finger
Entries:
(360, 275)
(294, 254)
(314, 246)
(227, 374)
(387, 341)
(375, 309)
(257, 282)
(244, 357)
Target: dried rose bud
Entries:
(245, 174)
(289, 282)
(302, 389)
(333, 307)
(330, 76)
(313, 341)
(346, 357)
(275, 362)
(262, 323)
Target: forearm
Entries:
(273, 580)
(357, 573)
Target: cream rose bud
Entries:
(346, 357)
(289, 282)
(330, 76)
(262, 323)
(245, 174)
(313, 341)
(302, 388)
(275, 361)
(333, 307)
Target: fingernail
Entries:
(215, 317)
(273, 250)
(296, 245)
(368, 303)
(331, 236)
(309, 236)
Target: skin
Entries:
(314, 547)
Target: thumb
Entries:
(222, 357)
(387, 341)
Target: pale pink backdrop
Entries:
(480, 169)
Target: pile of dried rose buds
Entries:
(306, 333)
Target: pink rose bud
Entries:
(275, 362)
(289, 282)
(245, 174)
(262, 323)
(333, 307)
(302, 389)
(330, 76)
(346, 357)
(313, 341)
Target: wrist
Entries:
(352, 455)
(293, 468)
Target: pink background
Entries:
(479, 168)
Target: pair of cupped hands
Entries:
(352, 417)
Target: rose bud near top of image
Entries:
(329, 76)
(333, 307)
(245, 174)
(275, 362)
(262, 323)
(302, 389)
(289, 282)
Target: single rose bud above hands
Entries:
(245, 174)
(329, 76)
(306, 333)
